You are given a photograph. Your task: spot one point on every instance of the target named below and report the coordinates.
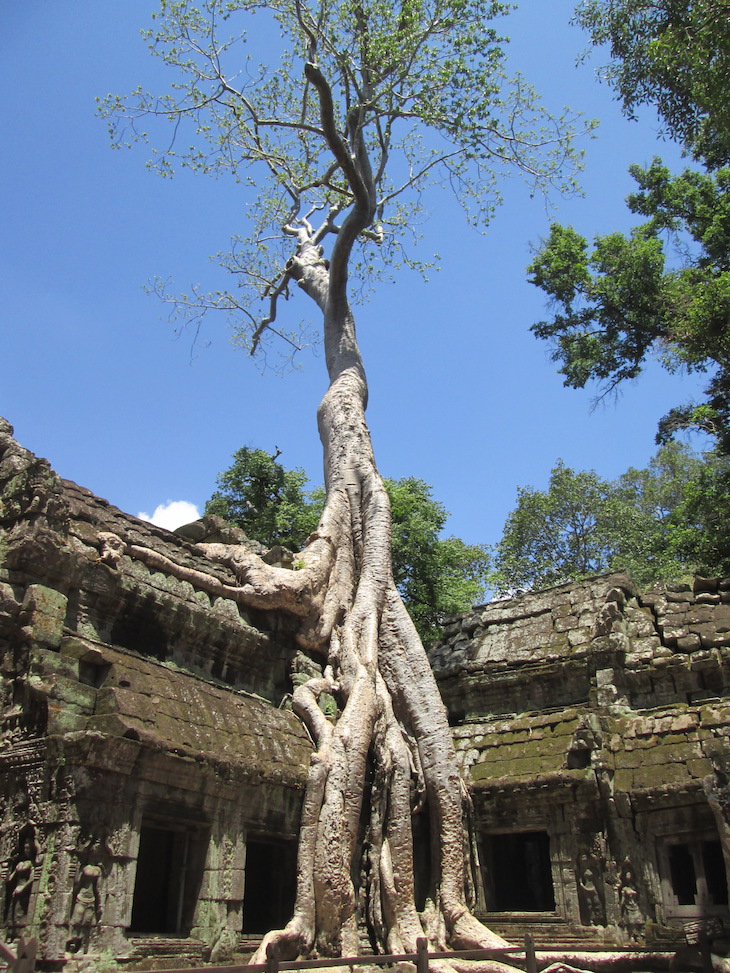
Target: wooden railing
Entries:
(22, 958)
(421, 958)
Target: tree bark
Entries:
(391, 741)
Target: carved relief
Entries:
(86, 910)
(631, 917)
(20, 877)
(592, 910)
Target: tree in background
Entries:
(675, 56)
(365, 104)
(663, 290)
(435, 576)
(624, 300)
(561, 534)
(664, 522)
(265, 500)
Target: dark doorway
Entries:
(516, 872)
(169, 870)
(715, 875)
(421, 825)
(270, 884)
(696, 875)
(682, 870)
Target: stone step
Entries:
(548, 930)
(157, 948)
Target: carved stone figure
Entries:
(86, 909)
(591, 900)
(631, 916)
(19, 883)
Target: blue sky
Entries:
(461, 394)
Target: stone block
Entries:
(579, 636)
(77, 648)
(699, 767)
(605, 677)
(659, 775)
(45, 611)
(565, 623)
(62, 720)
(708, 598)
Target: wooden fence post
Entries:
(705, 951)
(530, 958)
(272, 960)
(421, 955)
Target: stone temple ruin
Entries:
(152, 772)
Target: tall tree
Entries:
(435, 575)
(664, 289)
(369, 102)
(267, 501)
(560, 534)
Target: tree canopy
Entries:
(435, 575)
(663, 522)
(663, 290)
(359, 107)
(675, 56)
(270, 503)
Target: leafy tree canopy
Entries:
(675, 56)
(270, 503)
(391, 98)
(436, 576)
(659, 523)
(662, 290)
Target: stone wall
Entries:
(143, 739)
(147, 751)
(598, 716)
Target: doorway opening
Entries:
(516, 872)
(169, 872)
(270, 884)
(694, 878)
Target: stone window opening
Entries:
(169, 872)
(516, 872)
(694, 881)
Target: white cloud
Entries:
(172, 514)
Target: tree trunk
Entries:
(391, 744)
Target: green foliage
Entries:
(702, 525)
(664, 289)
(659, 523)
(417, 94)
(268, 502)
(436, 576)
(674, 55)
(557, 535)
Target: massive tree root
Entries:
(390, 744)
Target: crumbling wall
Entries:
(599, 715)
(140, 727)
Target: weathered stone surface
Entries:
(590, 721)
